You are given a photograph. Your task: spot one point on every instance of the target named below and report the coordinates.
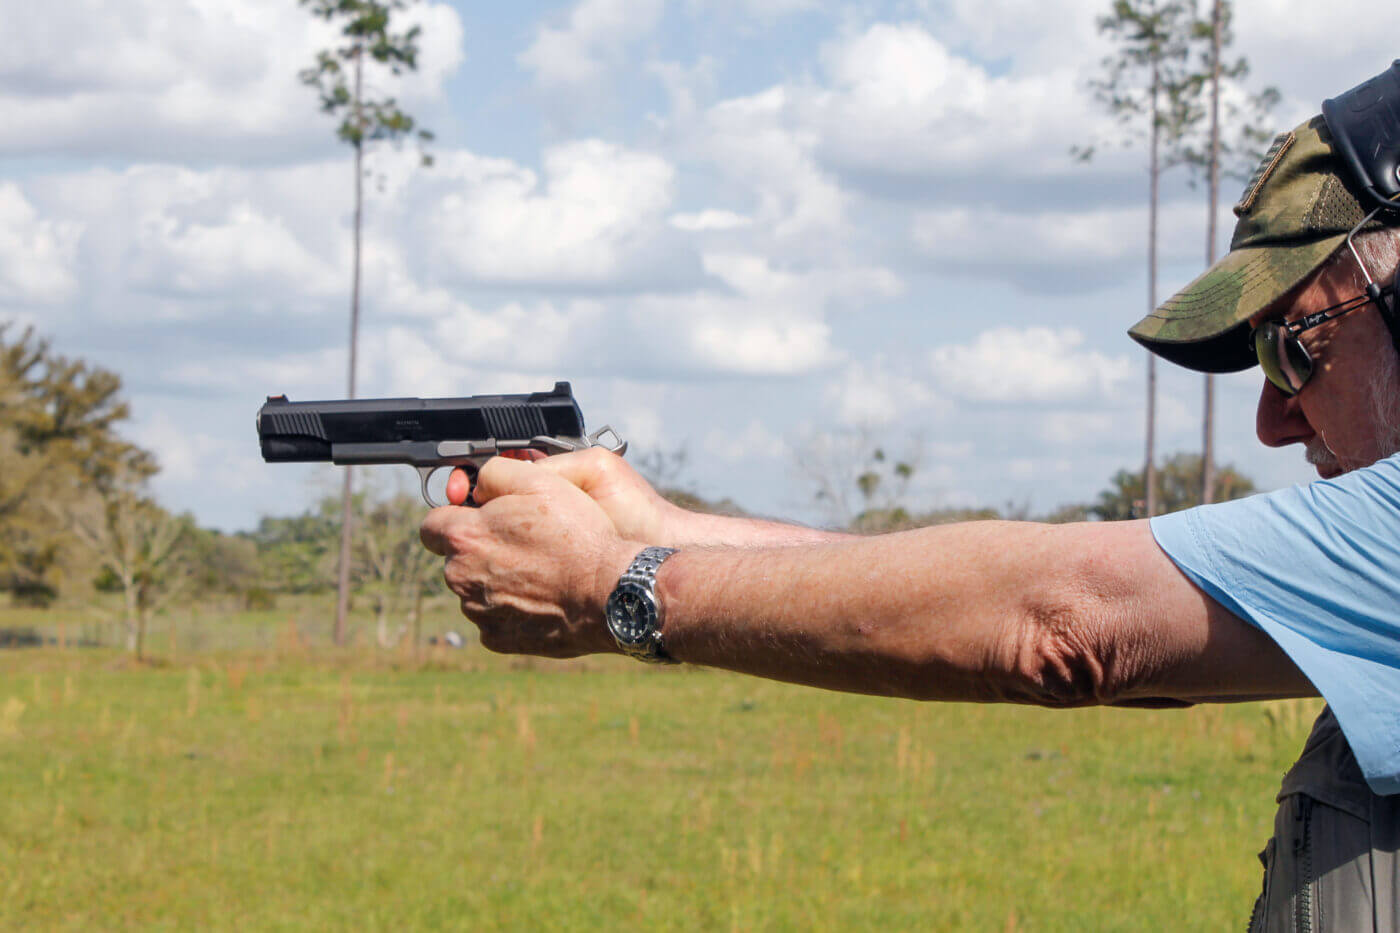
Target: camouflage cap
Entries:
(1296, 211)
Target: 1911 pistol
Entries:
(428, 434)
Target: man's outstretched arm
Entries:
(1056, 615)
(1051, 614)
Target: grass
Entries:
(284, 790)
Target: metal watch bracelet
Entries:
(633, 612)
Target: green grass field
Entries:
(283, 789)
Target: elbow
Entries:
(1060, 657)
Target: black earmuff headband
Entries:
(1364, 124)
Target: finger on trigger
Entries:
(459, 486)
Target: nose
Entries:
(1279, 420)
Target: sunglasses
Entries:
(1285, 361)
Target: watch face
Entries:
(631, 614)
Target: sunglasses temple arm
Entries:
(1351, 245)
(1374, 290)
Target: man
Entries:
(1284, 595)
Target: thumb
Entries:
(589, 470)
(504, 476)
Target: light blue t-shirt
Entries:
(1317, 568)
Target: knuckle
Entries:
(603, 461)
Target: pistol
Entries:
(428, 434)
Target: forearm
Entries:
(934, 613)
(990, 611)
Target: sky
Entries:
(761, 232)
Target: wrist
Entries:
(681, 527)
(610, 570)
(673, 526)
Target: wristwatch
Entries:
(633, 614)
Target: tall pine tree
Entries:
(366, 116)
(1233, 149)
(1147, 86)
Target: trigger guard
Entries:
(425, 474)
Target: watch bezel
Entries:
(643, 624)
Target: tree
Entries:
(58, 440)
(28, 543)
(856, 481)
(1239, 149)
(78, 408)
(339, 78)
(141, 546)
(1178, 488)
(297, 554)
(395, 569)
(1148, 81)
(225, 564)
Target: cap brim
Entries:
(1205, 326)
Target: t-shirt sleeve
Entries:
(1317, 568)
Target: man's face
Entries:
(1338, 414)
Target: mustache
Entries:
(1318, 454)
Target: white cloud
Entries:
(165, 78)
(593, 217)
(296, 375)
(900, 102)
(1280, 39)
(877, 392)
(1027, 35)
(1056, 249)
(1012, 365)
(764, 12)
(761, 347)
(542, 336)
(754, 141)
(409, 362)
(36, 255)
(241, 249)
(192, 456)
(896, 113)
(755, 440)
(184, 243)
(772, 320)
(709, 220)
(248, 256)
(592, 38)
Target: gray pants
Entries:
(1332, 864)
